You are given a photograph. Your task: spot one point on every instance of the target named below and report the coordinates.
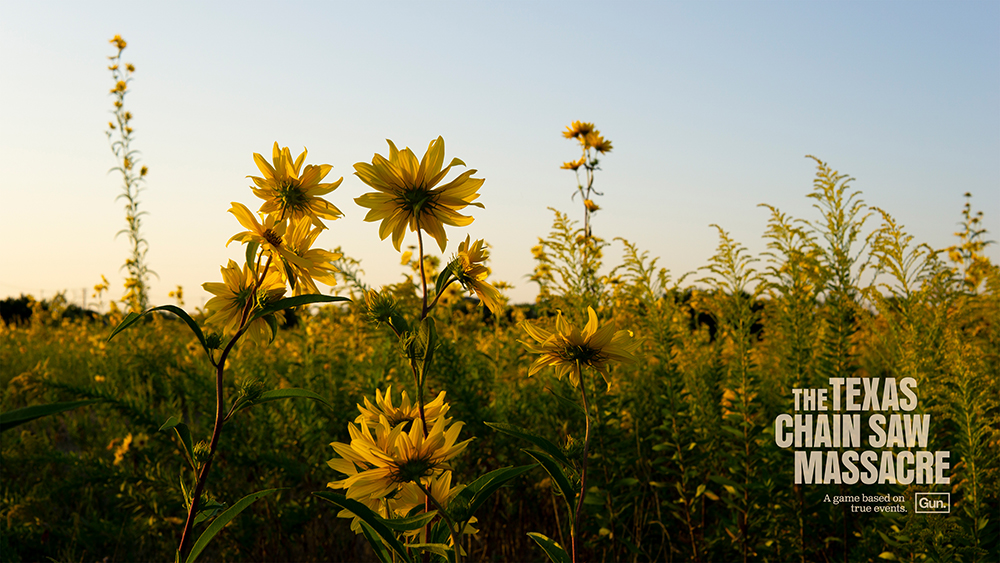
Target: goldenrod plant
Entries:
(120, 135)
(279, 259)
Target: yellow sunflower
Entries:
(578, 129)
(351, 463)
(305, 265)
(269, 234)
(471, 273)
(595, 141)
(225, 310)
(410, 496)
(404, 457)
(406, 196)
(574, 164)
(287, 194)
(568, 346)
(406, 411)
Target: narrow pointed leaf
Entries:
(368, 517)
(377, 546)
(441, 549)
(18, 417)
(296, 301)
(219, 523)
(252, 253)
(409, 523)
(558, 475)
(132, 318)
(479, 490)
(545, 445)
(556, 552)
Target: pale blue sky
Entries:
(711, 106)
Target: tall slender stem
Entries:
(423, 277)
(583, 471)
(455, 536)
(220, 415)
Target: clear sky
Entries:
(711, 107)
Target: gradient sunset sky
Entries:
(711, 107)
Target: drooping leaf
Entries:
(272, 323)
(556, 552)
(219, 523)
(408, 523)
(183, 433)
(18, 417)
(132, 318)
(276, 394)
(377, 546)
(252, 247)
(558, 476)
(445, 277)
(441, 549)
(546, 446)
(479, 490)
(368, 517)
(289, 302)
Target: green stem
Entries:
(423, 277)
(220, 418)
(456, 537)
(583, 471)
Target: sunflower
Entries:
(574, 164)
(352, 463)
(471, 273)
(232, 295)
(269, 234)
(384, 463)
(406, 195)
(410, 496)
(405, 413)
(287, 194)
(305, 265)
(567, 347)
(578, 129)
(594, 140)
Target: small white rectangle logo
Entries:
(932, 503)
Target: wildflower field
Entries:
(626, 415)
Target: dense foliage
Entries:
(683, 461)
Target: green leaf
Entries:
(219, 523)
(174, 423)
(441, 549)
(129, 320)
(408, 523)
(546, 446)
(132, 318)
(377, 546)
(368, 517)
(479, 490)
(292, 393)
(573, 405)
(272, 323)
(18, 417)
(557, 474)
(290, 302)
(445, 277)
(252, 247)
(556, 552)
